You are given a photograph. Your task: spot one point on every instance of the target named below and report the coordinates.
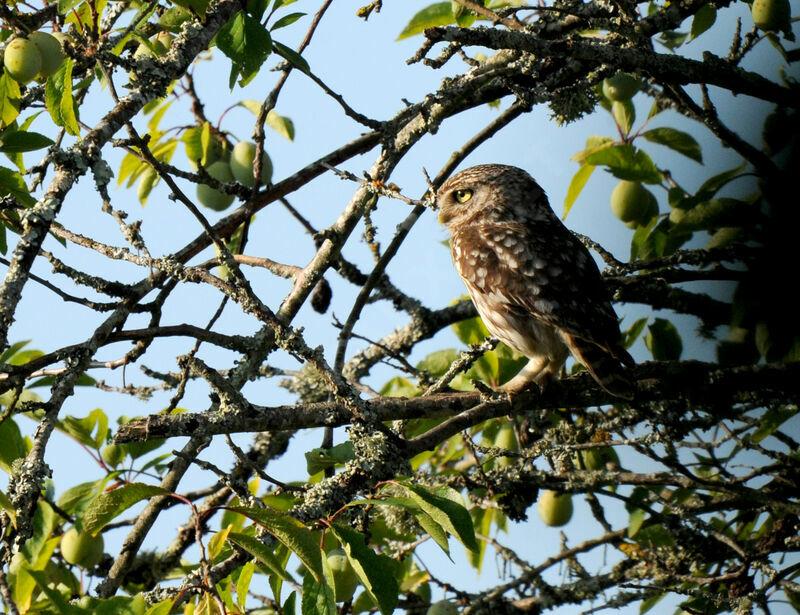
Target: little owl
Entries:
(534, 284)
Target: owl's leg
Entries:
(539, 370)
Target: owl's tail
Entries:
(605, 365)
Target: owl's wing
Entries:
(539, 269)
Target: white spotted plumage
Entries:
(534, 284)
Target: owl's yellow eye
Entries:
(462, 196)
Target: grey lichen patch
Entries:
(376, 454)
(327, 496)
(570, 104)
(102, 173)
(308, 384)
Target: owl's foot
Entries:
(538, 372)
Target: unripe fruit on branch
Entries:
(555, 509)
(242, 157)
(81, 548)
(621, 87)
(771, 15)
(22, 60)
(634, 204)
(344, 577)
(211, 197)
(50, 49)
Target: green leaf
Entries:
(38, 548)
(6, 357)
(67, 5)
(672, 39)
(593, 144)
(375, 571)
(438, 362)
(216, 544)
(317, 597)
(7, 507)
(59, 99)
(632, 333)
(710, 187)
(291, 56)
(253, 106)
(11, 183)
(438, 14)
(243, 584)
(23, 141)
(318, 459)
(174, 18)
(399, 387)
(289, 531)
(434, 529)
(716, 213)
(153, 122)
(427, 522)
(576, 186)
(57, 602)
(446, 506)
(471, 330)
(635, 521)
(771, 420)
(624, 114)
(703, 19)
(626, 162)
(162, 608)
(247, 43)
(130, 168)
(286, 20)
(290, 605)
(663, 340)
(110, 504)
(81, 429)
(280, 124)
(649, 603)
(679, 141)
(74, 498)
(148, 179)
(12, 444)
(9, 100)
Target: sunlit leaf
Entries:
(376, 571)
(293, 534)
(626, 162)
(679, 141)
(9, 99)
(291, 56)
(247, 43)
(576, 186)
(280, 124)
(23, 141)
(59, 99)
(286, 20)
(437, 14)
(12, 183)
(446, 506)
(110, 504)
(703, 19)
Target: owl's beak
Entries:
(443, 218)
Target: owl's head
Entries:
(490, 193)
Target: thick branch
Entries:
(692, 382)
